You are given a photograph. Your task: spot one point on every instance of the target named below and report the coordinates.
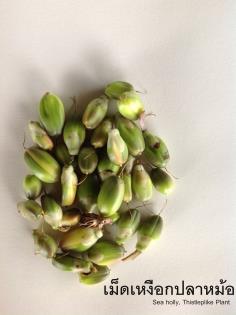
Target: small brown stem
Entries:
(133, 255)
(82, 180)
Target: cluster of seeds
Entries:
(84, 170)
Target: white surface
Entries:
(184, 54)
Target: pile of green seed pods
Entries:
(85, 171)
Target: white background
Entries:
(184, 54)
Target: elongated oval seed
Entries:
(141, 183)
(87, 160)
(162, 181)
(30, 210)
(105, 252)
(52, 211)
(69, 183)
(74, 136)
(131, 134)
(111, 196)
(130, 105)
(128, 187)
(117, 150)
(117, 88)
(156, 151)
(45, 244)
(100, 134)
(72, 264)
(127, 225)
(32, 186)
(87, 193)
(63, 155)
(97, 274)
(40, 136)
(52, 114)
(95, 111)
(80, 239)
(42, 165)
(148, 231)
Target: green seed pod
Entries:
(98, 274)
(87, 193)
(128, 188)
(30, 210)
(45, 244)
(162, 181)
(74, 136)
(69, 184)
(80, 239)
(104, 253)
(52, 114)
(129, 164)
(42, 165)
(127, 225)
(106, 168)
(70, 218)
(141, 183)
(155, 151)
(52, 211)
(130, 105)
(100, 134)
(148, 231)
(63, 155)
(131, 134)
(73, 264)
(111, 196)
(32, 186)
(116, 88)
(87, 160)
(39, 136)
(95, 111)
(117, 150)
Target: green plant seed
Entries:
(95, 112)
(32, 186)
(30, 210)
(87, 160)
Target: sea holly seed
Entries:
(95, 112)
(40, 136)
(87, 160)
(70, 218)
(117, 150)
(74, 136)
(100, 134)
(80, 239)
(32, 186)
(42, 165)
(110, 196)
(63, 155)
(69, 184)
(30, 210)
(87, 193)
(52, 114)
(72, 264)
(105, 252)
(128, 187)
(162, 181)
(106, 167)
(116, 88)
(156, 151)
(132, 135)
(141, 183)
(96, 275)
(130, 105)
(148, 231)
(52, 211)
(127, 225)
(45, 244)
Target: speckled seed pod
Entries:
(117, 150)
(141, 183)
(130, 105)
(74, 136)
(95, 112)
(30, 210)
(87, 160)
(100, 134)
(162, 181)
(69, 184)
(40, 136)
(32, 186)
(45, 244)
